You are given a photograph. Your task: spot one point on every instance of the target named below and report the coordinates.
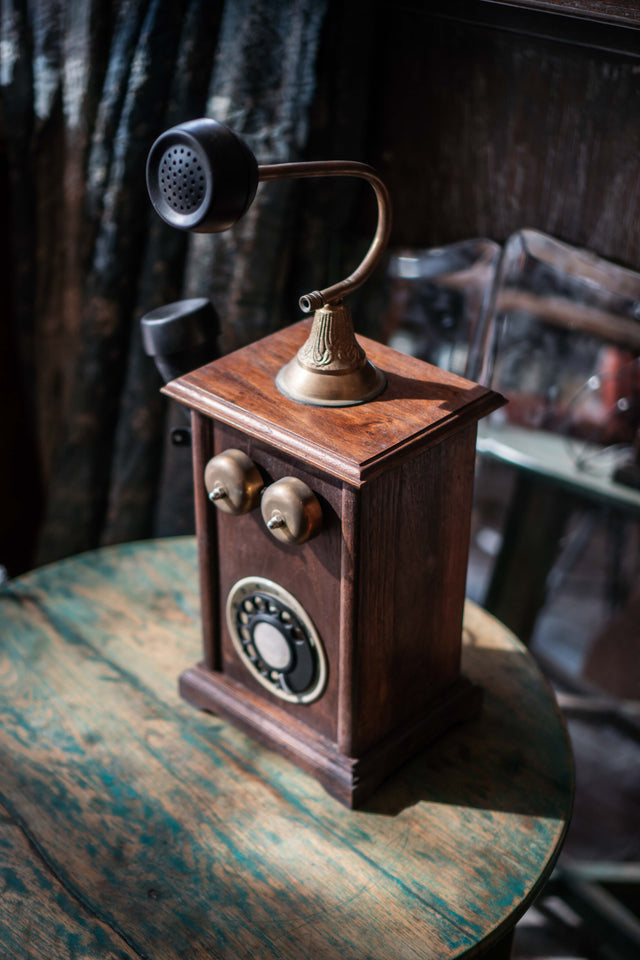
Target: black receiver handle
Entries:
(181, 336)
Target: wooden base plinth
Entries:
(351, 780)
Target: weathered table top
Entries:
(133, 826)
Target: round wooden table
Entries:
(133, 826)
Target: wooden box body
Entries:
(383, 582)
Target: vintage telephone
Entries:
(333, 494)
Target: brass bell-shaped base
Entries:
(331, 368)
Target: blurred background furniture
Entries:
(555, 330)
(438, 300)
(561, 342)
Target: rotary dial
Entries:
(276, 640)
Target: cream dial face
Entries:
(276, 640)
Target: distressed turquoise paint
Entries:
(170, 832)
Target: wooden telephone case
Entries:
(382, 584)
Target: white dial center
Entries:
(271, 645)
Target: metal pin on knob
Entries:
(276, 521)
(233, 482)
(291, 511)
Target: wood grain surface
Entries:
(420, 406)
(413, 556)
(133, 826)
(514, 130)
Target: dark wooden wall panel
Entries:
(481, 132)
(609, 11)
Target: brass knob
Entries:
(233, 482)
(291, 511)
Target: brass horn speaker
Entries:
(202, 177)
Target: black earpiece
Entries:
(201, 176)
(181, 336)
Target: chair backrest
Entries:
(437, 302)
(560, 338)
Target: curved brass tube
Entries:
(340, 168)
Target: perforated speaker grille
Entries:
(182, 179)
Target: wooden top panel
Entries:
(420, 405)
(137, 826)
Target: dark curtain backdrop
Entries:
(478, 130)
(86, 87)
